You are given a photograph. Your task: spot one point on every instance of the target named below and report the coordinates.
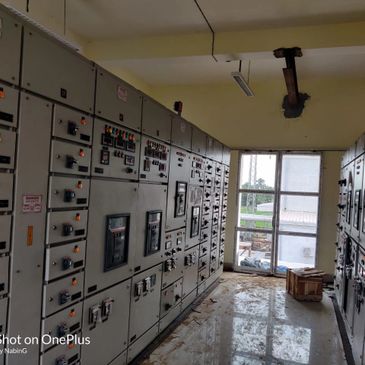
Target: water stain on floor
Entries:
(251, 320)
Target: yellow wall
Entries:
(331, 118)
(330, 122)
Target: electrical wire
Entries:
(210, 27)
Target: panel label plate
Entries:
(32, 203)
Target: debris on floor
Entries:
(254, 322)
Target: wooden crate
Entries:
(305, 284)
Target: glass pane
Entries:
(298, 213)
(258, 171)
(295, 252)
(254, 250)
(256, 210)
(300, 173)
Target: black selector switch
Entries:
(63, 330)
(129, 170)
(67, 229)
(72, 128)
(69, 196)
(70, 162)
(64, 297)
(67, 263)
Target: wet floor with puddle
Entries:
(251, 320)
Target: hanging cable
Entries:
(210, 27)
(248, 71)
(64, 16)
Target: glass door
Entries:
(298, 203)
(255, 228)
(278, 203)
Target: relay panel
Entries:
(112, 207)
(116, 151)
(116, 241)
(155, 158)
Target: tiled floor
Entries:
(250, 320)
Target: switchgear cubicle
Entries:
(350, 247)
(112, 207)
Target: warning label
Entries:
(122, 93)
(32, 203)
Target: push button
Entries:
(67, 229)
(72, 128)
(69, 196)
(66, 263)
(64, 297)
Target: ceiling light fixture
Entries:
(241, 81)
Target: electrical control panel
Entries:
(62, 293)
(210, 148)
(3, 314)
(10, 47)
(348, 210)
(72, 125)
(194, 215)
(151, 215)
(6, 192)
(191, 261)
(116, 241)
(68, 158)
(65, 259)
(181, 133)
(170, 297)
(203, 274)
(173, 265)
(153, 232)
(359, 306)
(204, 249)
(198, 141)
(226, 159)
(155, 158)
(115, 151)
(66, 225)
(137, 346)
(177, 189)
(145, 304)
(358, 197)
(117, 101)
(197, 170)
(61, 355)
(5, 229)
(7, 149)
(109, 198)
(105, 321)
(108, 202)
(63, 323)
(51, 77)
(156, 120)
(9, 98)
(4, 268)
(218, 150)
(68, 192)
(214, 261)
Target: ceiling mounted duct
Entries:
(241, 81)
(293, 103)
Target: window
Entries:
(278, 211)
